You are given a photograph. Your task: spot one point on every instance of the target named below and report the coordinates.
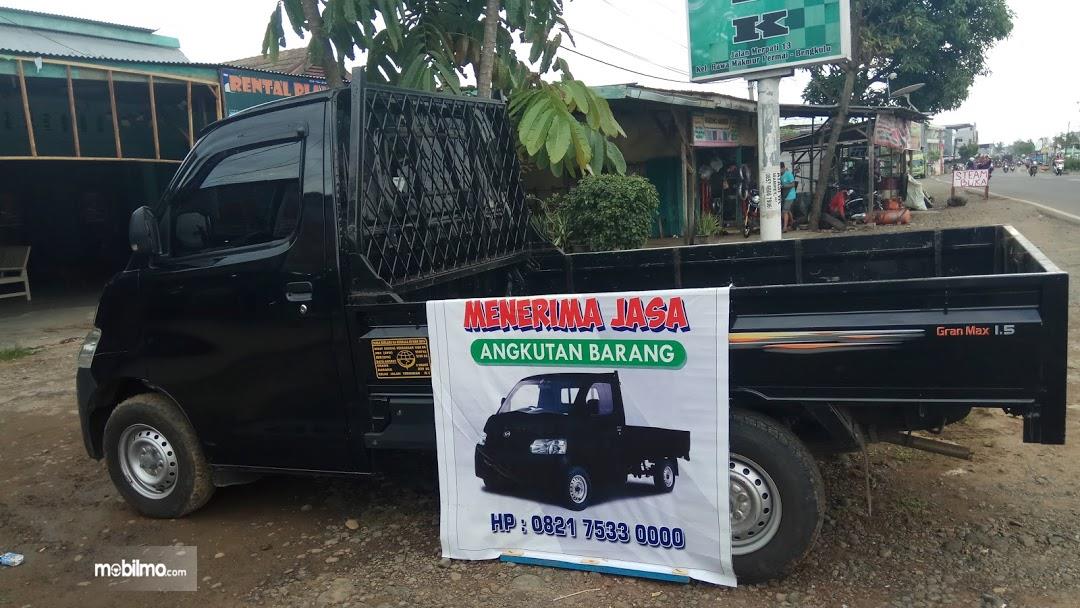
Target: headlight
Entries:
(757, 199)
(89, 346)
(548, 446)
(483, 438)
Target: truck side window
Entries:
(248, 197)
(601, 393)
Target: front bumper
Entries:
(86, 387)
(522, 469)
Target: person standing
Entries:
(787, 192)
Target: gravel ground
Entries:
(1002, 529)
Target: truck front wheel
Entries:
(577, 489)
(154, 458)
(777, 498)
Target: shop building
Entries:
(95, 118)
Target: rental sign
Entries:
(741, 37)
(246, 88)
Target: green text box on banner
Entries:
(668, 354)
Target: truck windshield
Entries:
(541, 397)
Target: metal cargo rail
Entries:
(435, 188)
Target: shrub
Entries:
(708, 225)
(1072, 164)
(956, 201)
(608, 212)
(548, 219)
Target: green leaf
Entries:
(297, 20)
(449, 77)
(274, 33)
(616, 158)
(534, 135)
(536, 50)
(580, 94)
(592, 116)
(390, 18)
(518, 100)
(597, 142)
(582, 149)
(513, 13)
(530, 121)
(558, 139)
(608, 125)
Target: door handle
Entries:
(298, 292)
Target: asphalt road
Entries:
(1058, 192)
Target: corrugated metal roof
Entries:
(18, 39)
(133, 28)
(694, 99)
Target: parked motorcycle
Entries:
(855, 208)
(751, 211)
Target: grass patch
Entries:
(913, 505)
(12, 353)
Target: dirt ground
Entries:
(1001, 529)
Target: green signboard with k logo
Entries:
(731, 38)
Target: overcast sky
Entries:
(1031, 92)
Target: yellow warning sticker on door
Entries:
(401, 358)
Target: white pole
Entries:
(768, 118)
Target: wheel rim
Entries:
(669, 476)
(148, 461)
(755, 506)
(579, 489)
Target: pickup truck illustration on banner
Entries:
(566, 434)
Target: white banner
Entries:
(590, 429)
(976, 178)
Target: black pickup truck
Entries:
(567, 431)
(272, 316)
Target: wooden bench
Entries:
(13, 259)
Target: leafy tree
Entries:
(968, 151)
(940, 43)
(431, 44)
(1022, 147)
(1064, 140)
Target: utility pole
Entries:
(768, 131)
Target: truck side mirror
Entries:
(143, 233)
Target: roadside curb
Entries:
(1057, 213)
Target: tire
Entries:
(577, 489)
(664, 475)
(769, 539)
(162, 472)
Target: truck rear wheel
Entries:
(577, 489)
(154, 458)
(777, 498)
(664, 475)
